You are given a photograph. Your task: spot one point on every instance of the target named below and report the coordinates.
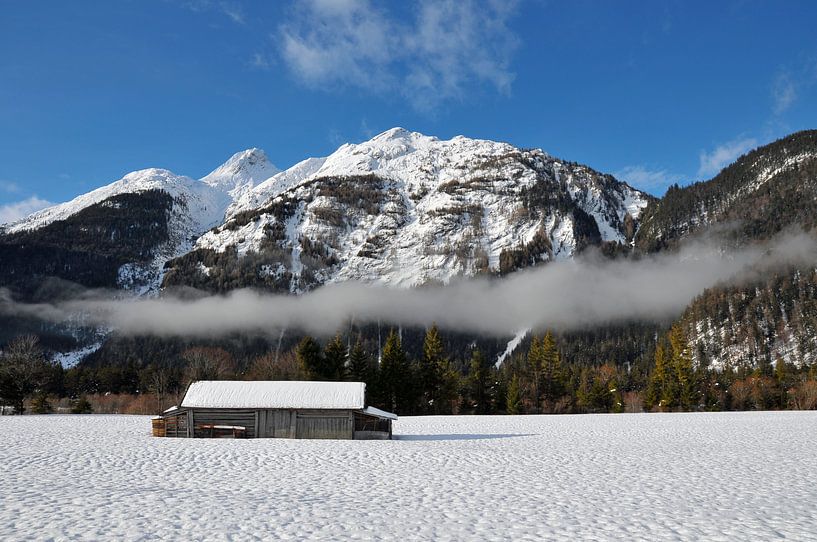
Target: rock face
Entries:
(406, 209)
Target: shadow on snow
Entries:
(461, 436)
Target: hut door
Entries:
(278, 423)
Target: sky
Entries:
(655, 92)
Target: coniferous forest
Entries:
(541, 377)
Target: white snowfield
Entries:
(725, 476)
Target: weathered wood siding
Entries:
(176, 425)
(325, 424)
(278, 423)
(244, 418)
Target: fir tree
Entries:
(682, 366)
(310, 358)
(535, 371)
(513, 402)
(40, 404)
(359, 364)
(334, 359)
(551, 366)
(431, 371)
(658, 387)
(395, 376)
(480, 380)
(82, 406)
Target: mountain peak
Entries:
(243, 170)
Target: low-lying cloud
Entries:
(559, 295)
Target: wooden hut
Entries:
(275, 409)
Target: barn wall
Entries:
(284, 423)
(278, 423)
(245, 418)
(328, 424)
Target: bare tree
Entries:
(158, 384)
(205, 363)
(23, 371)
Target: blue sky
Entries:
(656, 92)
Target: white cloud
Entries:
(259, 61)
(647, 179)
(231, 9)
(9, 187)
(712, 162)
(13, 212)
(784, 93)
(445, 50)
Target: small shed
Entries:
(275, 409)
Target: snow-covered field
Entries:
(730, 476)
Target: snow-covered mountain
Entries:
(193, 207)
(402, 208)
(406, 209)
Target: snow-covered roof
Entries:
(274, 394)
(379, 413)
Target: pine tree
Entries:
(658, 395)
(40, 404)
(335, 356)
(535, 370)
(449, 389)
(551, 365)
(584, 393)
(480, 380)
(359, 364)
(513, 400)
(683, 369)
(82, 406)
(310, 358)
(431, 371)
(395, 377)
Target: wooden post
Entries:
(293, 423)
(190, 431)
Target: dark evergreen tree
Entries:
(432, 366)
(395, 383)
(82, 406)
(310, 358)
(360, 364)
(334, 357)
(551, 368)
(513, 402)
(481, 383)
(685, 386)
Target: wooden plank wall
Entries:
(337, 424)
(244, 418)
(282, 423)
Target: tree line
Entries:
(537, 379)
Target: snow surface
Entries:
(723, 476)
(274, 394)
